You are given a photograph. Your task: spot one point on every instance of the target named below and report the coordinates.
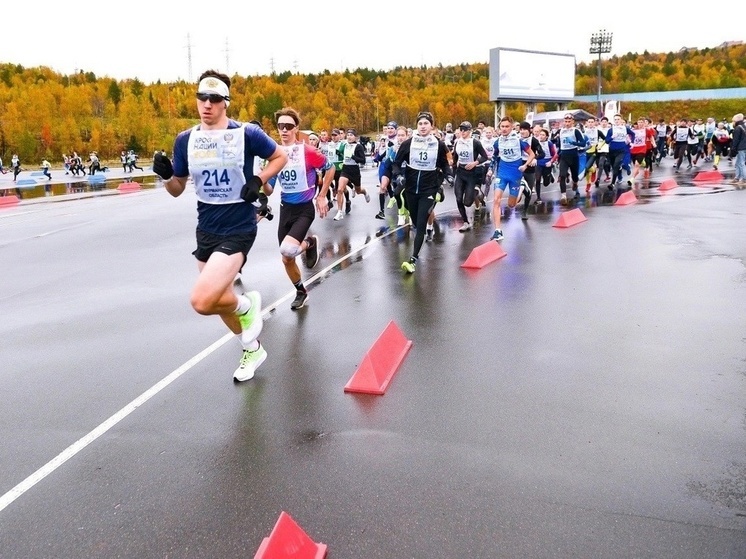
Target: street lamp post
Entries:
(600, 44)
(378, 122)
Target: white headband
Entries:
(213, 85)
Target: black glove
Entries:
(250, 191)
(264, 210)
(162, 166)
(440, 195)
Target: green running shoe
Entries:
(251, 321)
(408, 266)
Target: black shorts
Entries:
(295, 220)
(207, 243)
(352, 172)
(638, 157)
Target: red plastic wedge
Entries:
(668, 184)
(570, 218)
(289, 541)
(708, 176)
(484, 254)
(626, 199)
(380, 363)
(8, 201)
(129, 187)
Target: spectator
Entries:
(738, 149)
(45, 165)
(95, 164)
(15, 163)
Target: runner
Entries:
(354, 156)
(619, 137)
(426, 166)
(508, 167)
(468, 154)
(218, 154)
(297, 181)
(570, 139)
(529, 175)
(545, 163)
(390, 145)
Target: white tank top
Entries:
(293, 177)
(216, 159)
(423, 153)
(465, 151)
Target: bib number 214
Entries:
(211, 178)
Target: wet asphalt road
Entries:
(582, 397)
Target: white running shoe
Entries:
(367, 197)
(353, 193)
(340, 216)
(465, 227)
(250, 361)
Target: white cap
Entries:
(211, 84)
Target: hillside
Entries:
(44, 114)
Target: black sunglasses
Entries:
(211, 97)
(285, 125)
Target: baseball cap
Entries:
(466, 125)
(392, 124)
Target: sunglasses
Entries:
(211, 97)
(285, 125)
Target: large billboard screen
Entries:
(523, 75)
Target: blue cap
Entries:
(393, 124)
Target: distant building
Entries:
(724, 45)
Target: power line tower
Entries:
(227, 58)
(189, 57)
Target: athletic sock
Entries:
(253, 345)
(299, 286)
(244, 305)
(382, 201)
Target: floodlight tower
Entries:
(600, 44)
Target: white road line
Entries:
(84, 441)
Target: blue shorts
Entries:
(513, 185)
(384, 169)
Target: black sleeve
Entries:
(536, 147)
(402, 156)
(480, 155)
(359, 155)
(442, 162)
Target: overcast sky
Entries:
(153, 40)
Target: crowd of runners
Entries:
(596, 153)
(235, 167)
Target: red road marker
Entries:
(380, 363)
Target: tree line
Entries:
(44, 114)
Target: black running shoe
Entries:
(348, 206)
(312, 252)
(300, 300)
(380, 215)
